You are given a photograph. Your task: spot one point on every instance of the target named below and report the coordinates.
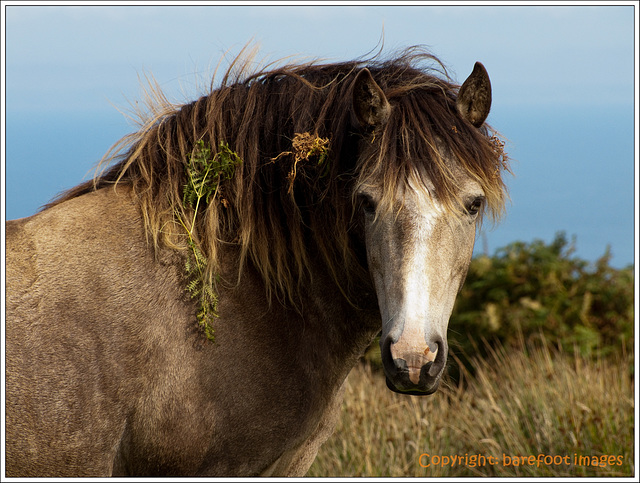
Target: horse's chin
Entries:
(414, 391)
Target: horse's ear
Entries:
(370, 106)
(474, 97)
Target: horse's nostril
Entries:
(431, 353)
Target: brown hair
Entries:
(279, 222)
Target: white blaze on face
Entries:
(421, 308)
(418, 256)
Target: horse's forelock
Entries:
(423, 136)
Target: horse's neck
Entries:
(324, 325)
(350, 324)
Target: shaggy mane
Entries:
(280, 224)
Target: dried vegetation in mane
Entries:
(285, 204)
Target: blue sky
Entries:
(562, 77)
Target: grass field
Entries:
(533, 413)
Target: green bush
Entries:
(529, 290)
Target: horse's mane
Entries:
(281, 210)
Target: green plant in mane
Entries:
(205, 171)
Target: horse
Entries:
(196, 307)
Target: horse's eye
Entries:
(367, 204)
(475, 206)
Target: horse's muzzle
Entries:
(411, 373)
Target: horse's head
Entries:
(418, 249)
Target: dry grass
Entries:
(540, 403)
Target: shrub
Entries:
(529, 290)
